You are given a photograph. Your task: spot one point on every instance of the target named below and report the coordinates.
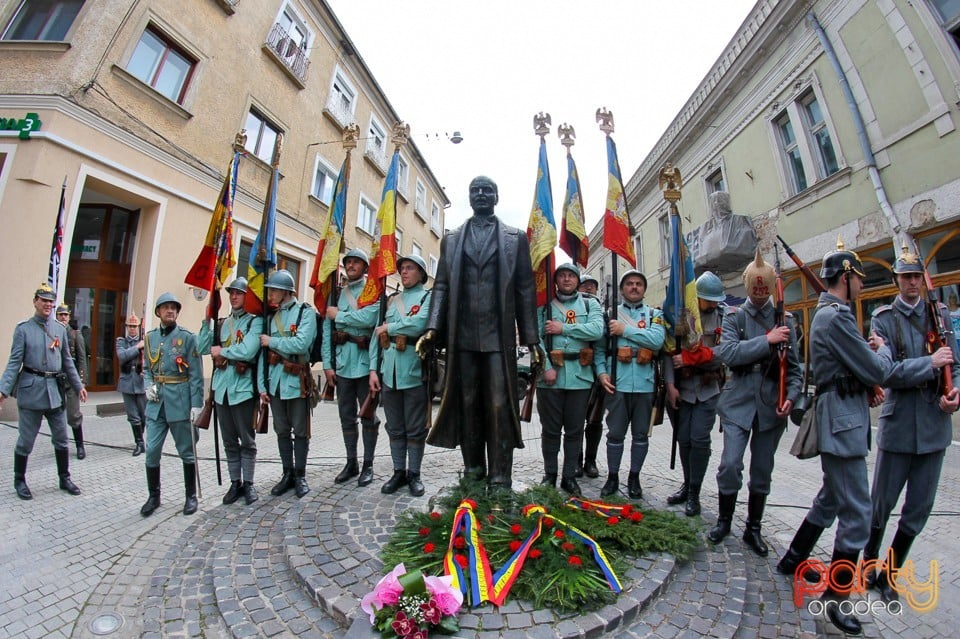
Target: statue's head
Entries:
(483, 194)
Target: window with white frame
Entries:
(420, 206)
(261, 136)
(663, 228)
(403, 176)
(638, 250)
(432, 266)
(806, 146)
(435, 225)
(161, 64)
(416, 249)
(366, 216)
(324, 181)
(398, 234)
(949, 13)
(297, 33)
(343, 98)
(715, 182)
(289, 38)
(46, 20)
(376, 147)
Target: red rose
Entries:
(535, 553)
(490, 518)
(548, 521)
(428, 548)
(515, 545)
(627, 509)
(567, 546)
(461, 560)
(434, 515)
(424, 531)
(558, 533)
(636, 517)
(515, 529)
(575, 561)
(459, 542)
(613, 521)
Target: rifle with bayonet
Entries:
(779, 319)
(939, 335)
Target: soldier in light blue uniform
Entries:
(748, 404)
(405, 395)
(846, 368)
(348, 328)
(638, 331)
(693, 387)
(914, 429)
(39, 363)
(575, 322)
(289, 337)
(173, 378)
(593, 430)
(234, 396)
(130, 353)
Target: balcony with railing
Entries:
(291, 57)
(374, 153)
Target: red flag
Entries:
(616, 220)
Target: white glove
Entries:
(195, 415)
(152, 395)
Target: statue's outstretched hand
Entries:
(425, 343)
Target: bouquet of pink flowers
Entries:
(408, 605)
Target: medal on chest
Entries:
(571, 316)
(642, 323)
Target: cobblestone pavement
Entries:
(285, 567)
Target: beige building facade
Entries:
(135, 105)
(820, 119)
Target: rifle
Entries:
(143, 314)
(779, 319)
(598, 396)
(368, 409)
(940, 335)
(329, 390)
(208, 412)
(808, 275)
(526, 410)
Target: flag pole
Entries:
(605, 119)
(670, 183)
(263, 259)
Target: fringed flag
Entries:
(327, 262)
(384, 252)
(541, 229)
(681, 311)
(573, 231)
(263, 253)
(216, 261)
(474, 579)
(616, 220)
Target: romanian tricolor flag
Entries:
(327, 262)
(616, 220)
(384, 251)
(573, 231)
(541, 229)
(263, 253)
(216, 260)
(681, 311)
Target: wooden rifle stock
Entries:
(808, 275)
(780, 319)
(596, 403)
(329, 391)
(369, 407)
(939, 336)
(261, 418)
(203, 421)
(526, 410)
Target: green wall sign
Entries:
(25, 125)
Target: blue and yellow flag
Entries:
(541, 229)
(681, 311)
(263, 253)
(327, 262)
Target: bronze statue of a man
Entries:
(483, 295)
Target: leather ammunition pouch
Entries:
(644, 355)
(400, 341)
(342, 337)
(219, 362)
(585, 357)
(240, 367)
(292, 368)
(384, 340)
(273, 358)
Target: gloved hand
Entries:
(195, 415)
(152, 394)
(425, 343)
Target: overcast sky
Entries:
(486, 68)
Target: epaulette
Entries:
(24, 321)
(882, 309)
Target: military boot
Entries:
(366, 474)
(755, 505)
(138, 448)
(842, 578)
(611, 486)
(189, 488)
(63, 470)
(398, 479)
(899, 548)
(414, 484)
(726, 504)
(680, 496)
(549, 479)
(20, 477)
(800, 548)
(78, 438)
(235, 492)
(872, 551)
(692, 508)
(570, 486)
(153, 487)
(249, 493)
(300, 487)
(350, 470)
(287, 481)
(633, 486)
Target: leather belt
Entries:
(170, 379)
(47, 374)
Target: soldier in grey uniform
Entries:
(235, 399)
(347, 328)
(570, 324)
(130, 355)
(78, 351)
(693, 387)
(40, 365)
(286, 344)
(593, 430)
(914, 429)
(846, 368)
(173, 378)
(748, 412)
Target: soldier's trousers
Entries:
(239, 443)
(920, 473)
(71, 402)
(29, 427)
(135, 406)
(351, 393)
(845, 496)
(291, 422)
(628, 410)
(406, 413)
(562, 413)
(157, 434)
(763, 451)
(693, 437)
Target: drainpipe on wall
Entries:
(871, 160)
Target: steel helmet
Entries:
(710, 288)
(907, 262)
(239, 284)
(359, 254)
(840, 261)
(630, 272)
(759, 278)
(567, 266)
(590, 278)
(416, 259)
(164, 299)
(281, 280)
